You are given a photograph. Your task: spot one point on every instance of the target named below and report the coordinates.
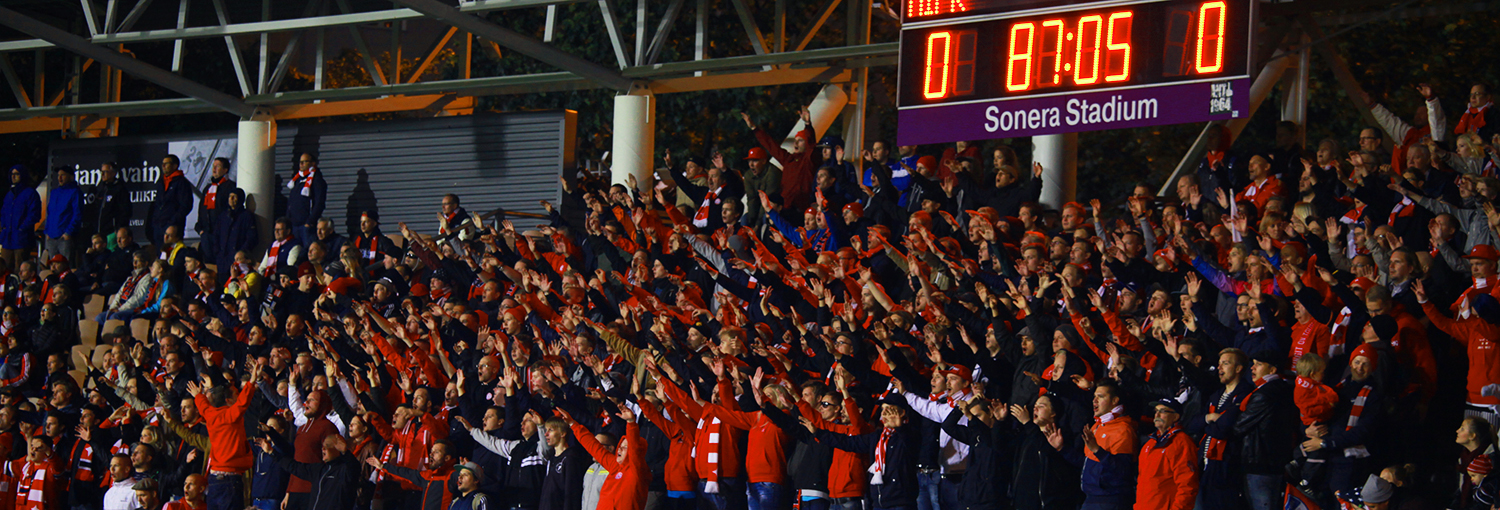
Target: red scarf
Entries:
(1472, 120)
(151, 294)
(878, 467)
(211, 193)
(1358, 407)
(1403, 209)
(700, 220)
(166, 184)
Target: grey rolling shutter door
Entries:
(403, 168)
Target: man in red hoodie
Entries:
(229, 453)
(312, 426)
(1168, 478)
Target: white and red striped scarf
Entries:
(700, 219)
(877, 468)
(1404, 208)
(1357, 409)
(211, 194)
(711, 478)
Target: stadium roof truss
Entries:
(98, 34)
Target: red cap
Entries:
(856, 207)
(1366, 351)
(1362, 283)
(1479, 251)
(928, 161)
(1481, 465)
(420, 290)
(60, 258)
(757, 153)
(344, 285)
(962, 371)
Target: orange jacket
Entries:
(1168, 477)
(1479, 337)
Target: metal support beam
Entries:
(437, 49)
(395, 52)
(612, 29)
(89, 18)
(522, 43)
(640, 32)
(752, 29)
(151, 73)
(285, 25)
(15, 82)
(234, 49)
(182, 11)
(823, 14)
(663, 30)
(376, 75)
(779, 27)
(700, 35)
(134, 15)
(551, 24)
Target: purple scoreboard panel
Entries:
(983, 69)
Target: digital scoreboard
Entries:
(983, 69)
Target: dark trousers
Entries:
(731, 495)
(226, 492)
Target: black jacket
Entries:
(108, 206)
(899, 482)
(1267, 428)
(1044, 476)
(333, 482)
(562, 489)
(206, 217)
(984, 484)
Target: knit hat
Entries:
(1384, 326)
(1366, 351)
(928, 161)
(1481, 465)
(1377, 490)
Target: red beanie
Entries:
(1366, 351)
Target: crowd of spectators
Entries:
(843, 329)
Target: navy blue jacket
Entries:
(171, 207)
(305, 209)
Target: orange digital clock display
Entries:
(992, 55)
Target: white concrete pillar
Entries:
(1058, 155)
(824, 109)
(634, 140)
(255, 166)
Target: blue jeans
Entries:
(848, 503)
(929, 491)
(1265, 492)
(267, 504)
(226, 492)
(730, 496)
(766, 496)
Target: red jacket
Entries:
(681, 475)
(847, 475)
(715, 454)
(412, 442)
(765, 454)
(1314, 400)
(36, 486)
(1310, 336)
(797, 170)
(1478, 336)
(229, 450)
(625, 489)
(1168, 478)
